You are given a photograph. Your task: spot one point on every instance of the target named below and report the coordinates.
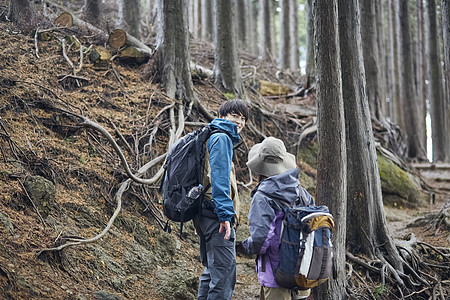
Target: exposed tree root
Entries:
(424, 266)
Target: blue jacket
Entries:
(265, 218)
(220, 147)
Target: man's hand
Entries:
(225, 225)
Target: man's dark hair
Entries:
(236, 106)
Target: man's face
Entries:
(237, 119)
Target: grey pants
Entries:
(218, 255)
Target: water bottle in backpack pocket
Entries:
(306, 250)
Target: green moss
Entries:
(308, 153)
(229, 95)
(398, 188)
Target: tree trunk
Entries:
(266, 50)
(435, 89)
(242, 23)
(130, 16)
(197, 19)
(207, 20)
(420, 73)
(284, 51)
(226, 65)
(369, 34)
(172, 54)
(310, 65)
(252, 44)
(445, 8)
(331, 161)
(406, 83)
(390, 65)
(366, 221)
(379, 17)
(21, 13)
(293, 34)
(92, 11)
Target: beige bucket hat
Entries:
(270, 158)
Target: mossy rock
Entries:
(399, 188)
(42, 192)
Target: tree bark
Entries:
(390, 66)
(266, 50)
(197, 19)
(379, 17)
(22, 14)
(130, 16)
(172, 56)
(284, 51)
(226, 65)
(252, 44)
(331, 161)
(310, 65)
(435, 88)
(369, 34)
(207, 20)
(446, 35)
(366, 221)
(92, 11)
(293, 35)
(406, 83)
(242, 23)
(420, 71)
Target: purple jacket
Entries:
(265, 218)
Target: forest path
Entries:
(403, 221)
(436, 176)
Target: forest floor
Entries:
(37, 139)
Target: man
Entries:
(279, 182)
(220, 207)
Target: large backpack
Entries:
(306, 250)
(183, 175)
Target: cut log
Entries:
(117, 38)
(267, 88)
(77, 21)
(133, 55)
(65, 20)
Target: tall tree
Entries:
(284, 51)
(266, 50)
(369, 34)
(406, 83)
(226, 64)
(242, 15)
(420, 71)
(435, 89)
(207, 20)
(130, 16)
(390, 63)
(92, 11)
(196, 30)
(252, 16)
(366, 221)
(172, 56)
(22, 14)
(331, 161)
(446, 34)
(293, 35)
(310, 65)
